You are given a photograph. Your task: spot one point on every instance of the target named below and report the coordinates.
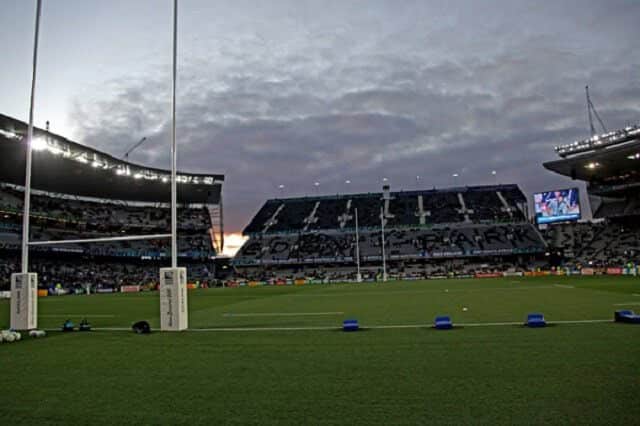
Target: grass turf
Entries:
(567, 373)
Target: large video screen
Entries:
(557, 206)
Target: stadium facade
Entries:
(79, 192)
(428, 232)
(610, 165)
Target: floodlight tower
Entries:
(24, 285)
(591, 110)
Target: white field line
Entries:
(635, 294)
(388, 292)
(563, 286)
(279, 314)
(627, 304)
(372, 327)
(76, 315)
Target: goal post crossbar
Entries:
(101, 240)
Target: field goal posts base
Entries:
(174, 311)
(24, 301)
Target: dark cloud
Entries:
(382, 95)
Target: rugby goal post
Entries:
(173, 281)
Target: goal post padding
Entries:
(24, 301)
(174, 312)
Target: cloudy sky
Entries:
(291, 92)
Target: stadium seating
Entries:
(610, 243)
(56, 218)
(99, 264)
(481, 204)
(77, 272)
(401, 243)
(426, 225)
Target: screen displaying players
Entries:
(557, 206)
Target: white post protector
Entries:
(174, 313)
(24, 301)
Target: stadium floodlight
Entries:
(592, 165)
(38, 144)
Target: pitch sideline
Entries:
(372, 327)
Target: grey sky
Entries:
(290, 93)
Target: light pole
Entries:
(317, 186)
(384, 257)
(417, 181)
(281, 188)
(358, 275)
(455, 178)
(495, 177)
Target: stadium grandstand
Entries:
(430, 232)
(81, 193)
(609, 164)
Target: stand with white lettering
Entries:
(174, 313)
(24, 301)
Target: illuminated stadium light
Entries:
(635, 156)
(10, 135)
(599, 141)
(55, 150)
(60, 147)
(38, 144)
(592, 165)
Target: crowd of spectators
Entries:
(55, 218)
(400, 243)
(95, 273)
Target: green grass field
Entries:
(275, 355)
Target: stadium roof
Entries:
(602, 164)
(66, 167)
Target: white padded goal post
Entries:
(24, 301)
(174, 312)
